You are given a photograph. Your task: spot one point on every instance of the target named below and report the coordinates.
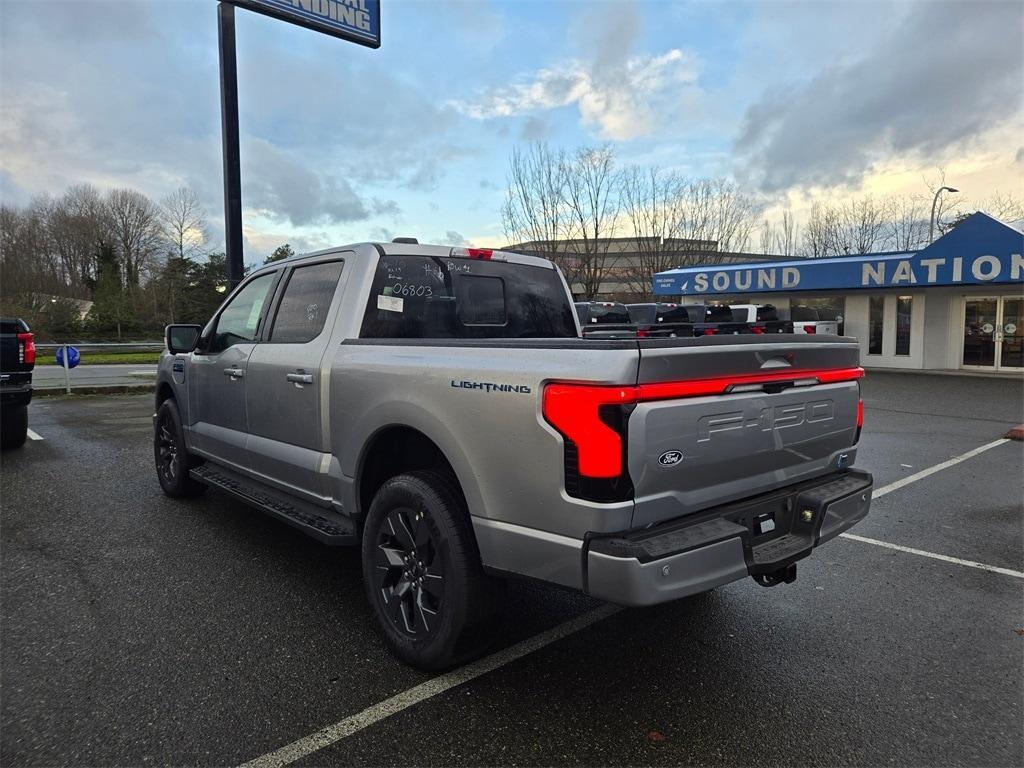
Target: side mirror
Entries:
(182, 338)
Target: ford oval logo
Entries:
(670, 458)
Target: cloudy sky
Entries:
(796, 100)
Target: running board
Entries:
(321, 524)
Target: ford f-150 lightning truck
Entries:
(439, 408)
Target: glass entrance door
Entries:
(1010, 334)
(994, 333)
(980, 316)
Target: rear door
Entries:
(692, 450)
(286, 382)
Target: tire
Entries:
(421, 568)
(173, 461)
(13, 427)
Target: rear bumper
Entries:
(15, 389)
(760, 535)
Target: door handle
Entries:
(300, 378)
(234, 373)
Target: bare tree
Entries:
(907, 222)
(653, 203)
(718, 211)
(1004, 206)
(591, 198)
(780, 238)
(862, 226)
(820, 232)
(135, 228)
(183, 222)
(534, 215)
(77, 223)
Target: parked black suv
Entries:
(17, 359)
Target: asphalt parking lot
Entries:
(137, 630)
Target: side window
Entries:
(304, 305)
(239, 322)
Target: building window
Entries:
(904, 308)
(826, 308)
(876, 317)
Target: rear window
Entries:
(711, 313)
(767, 313)
(670, 314)
(609, 313)
(8, 325)
(642, 313)
(426, 297)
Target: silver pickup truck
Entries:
(439, 408)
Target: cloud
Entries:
(946, 75)
(620, 104)
(451, 237)
(278, 186)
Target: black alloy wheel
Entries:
(410, 572)
(172, 459)
(433, 601)
(167, 461)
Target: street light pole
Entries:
(935, 200)
(229, 141)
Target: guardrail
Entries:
(141, 346)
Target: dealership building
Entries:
(957, 304)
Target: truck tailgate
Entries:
(738, 416)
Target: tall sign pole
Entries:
(229, 141)
(357, 21)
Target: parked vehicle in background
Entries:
(601, 313)
(660, 320)
(713, 319)
(760, 318)
(809, 320)
(437, 407)
(17, 359)
(604, 320)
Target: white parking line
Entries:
(425, 690)
(879, 492)
(34, 435)
(438, 685)
(935, 556)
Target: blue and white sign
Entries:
(357, 21)
(981, 250)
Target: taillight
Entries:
(860, 420)
(756, 329)
(710, 331)
(574, 410)
(26, 348)
(641, 333)
(810, 329)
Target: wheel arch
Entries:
(394, 449)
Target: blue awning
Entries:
(981, 250)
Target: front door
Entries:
(217, 371)
(285, 384)
(993, 333)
